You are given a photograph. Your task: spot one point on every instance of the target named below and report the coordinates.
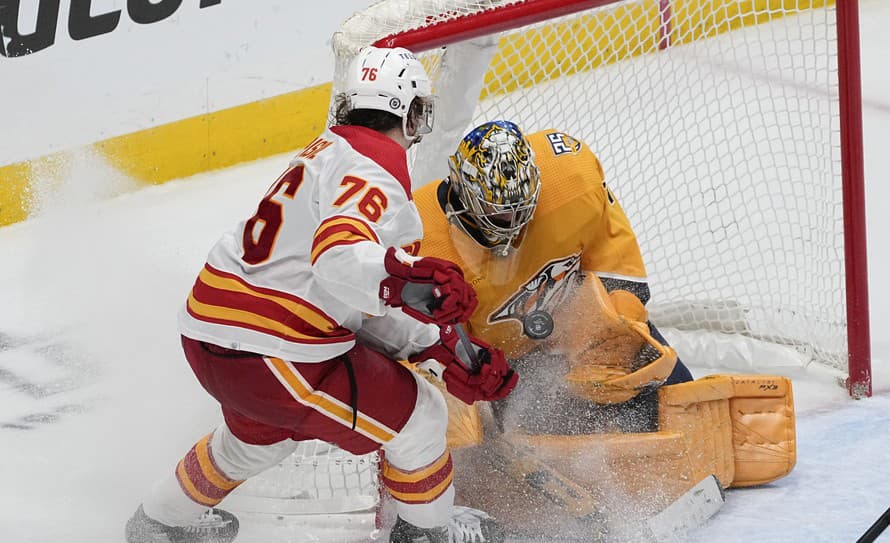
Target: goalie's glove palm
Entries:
(470, 377)
(429, 289)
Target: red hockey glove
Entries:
(429, 289)
(449, 361)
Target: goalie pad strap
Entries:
(706, 389)
(699, 411)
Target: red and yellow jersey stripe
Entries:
(220, 297)
(340, 230)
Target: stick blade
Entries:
(689, 511)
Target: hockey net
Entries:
(730, 132)
(721, 126)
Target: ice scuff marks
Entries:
(42, 381)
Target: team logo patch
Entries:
(534, 303)
(563, 143)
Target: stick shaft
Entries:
(876, 529)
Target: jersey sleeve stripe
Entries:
(359, 226)
(340, 230)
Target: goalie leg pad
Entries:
(739, 427)
(699, 411)
(762, 411)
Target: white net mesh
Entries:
(717, 124)
(318, 478)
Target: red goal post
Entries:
(731, 132)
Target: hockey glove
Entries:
(429, 289)
(450, 362)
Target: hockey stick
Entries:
(521, 464)
(876, 529)
(690, 510)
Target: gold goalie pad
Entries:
(738, 427)
(612, 356)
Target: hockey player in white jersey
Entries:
(297, 320)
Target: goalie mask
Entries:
(498, 183)
(394, 81)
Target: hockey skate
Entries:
(473, 526)
(214, 526)
(466, 526)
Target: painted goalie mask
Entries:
(498, 182)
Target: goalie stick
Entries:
(520, 463)
(690, 510)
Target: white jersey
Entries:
(302, 276)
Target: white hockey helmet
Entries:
(389, 80)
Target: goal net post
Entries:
(730, 131)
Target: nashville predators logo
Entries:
(563, 143)
(540, 296)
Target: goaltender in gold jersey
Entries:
(522, 270)
(602, 400)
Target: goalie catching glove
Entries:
(450, 362)
(612, 354)
(429, 289)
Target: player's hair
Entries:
(374, 119)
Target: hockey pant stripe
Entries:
(420, 486)
(200, 478)
(325, 404)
